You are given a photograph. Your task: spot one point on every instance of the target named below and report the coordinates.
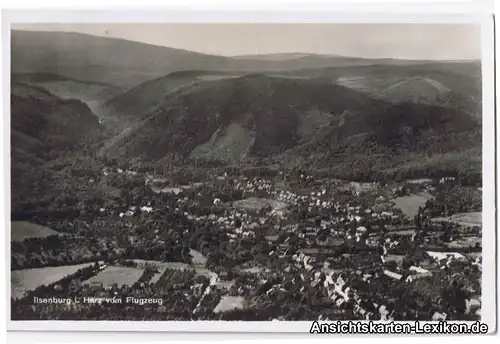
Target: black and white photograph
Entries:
(246, 172)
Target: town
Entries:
(265, 244)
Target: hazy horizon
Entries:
(375, 41)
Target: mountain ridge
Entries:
(103, 59)
(258, 117)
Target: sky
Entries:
(401, 41)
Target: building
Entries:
(225, 275)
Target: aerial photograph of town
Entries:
(245, 172)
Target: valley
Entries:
(255, 188)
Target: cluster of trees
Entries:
(166, 252)
(55, 250)
(457, 199)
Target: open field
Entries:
(465, 219)
(21, 230)
(228, 303)
(410, 204)
(116, 274)
(254, 203)
(29, 279)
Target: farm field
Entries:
(23, 281)
(465, 219)
(410, 204)
(116, 274)
(228, 303)
(21, 230)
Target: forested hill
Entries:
(44, 127)
(298, 122)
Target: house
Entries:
(224, 275)
(393, 274)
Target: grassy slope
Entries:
(21, 230)
(462, 78)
